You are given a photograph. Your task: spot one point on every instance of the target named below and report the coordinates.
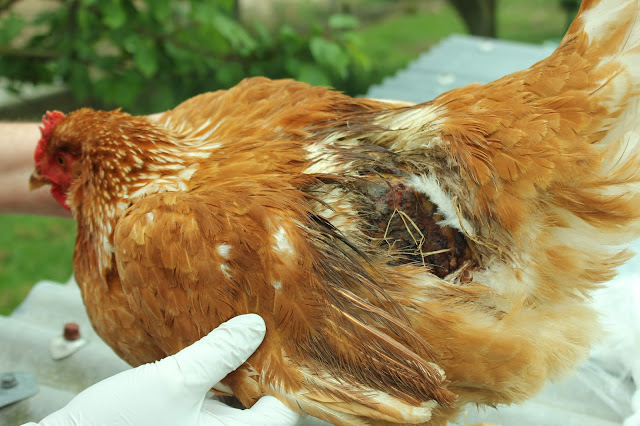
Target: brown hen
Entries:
(407, 259)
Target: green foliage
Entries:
(148, 55)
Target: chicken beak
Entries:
(37, 180)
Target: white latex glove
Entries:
(172, 391)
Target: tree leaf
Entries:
(313, 75)
(343, 22)
(330, 55)
(79, 81)
(229, 74)
(263, 35)
(114, 15)
(10, 27)
(179, 58)
(146, 58)
(160, 9)
(292, 65)
(144, 54)
(162, 97)
(87, 21)
(237, 36)
(121, 89)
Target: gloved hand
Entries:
(172, 391)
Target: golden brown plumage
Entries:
(406, 259)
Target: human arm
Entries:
(173, 391)
(17, 145)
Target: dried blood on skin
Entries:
(394, 205)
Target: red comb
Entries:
(49, 120)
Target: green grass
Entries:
(33, 249)
(397, 40)
(532, 21)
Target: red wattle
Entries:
(60, 196)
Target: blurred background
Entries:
(148, 55)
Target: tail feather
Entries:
(609, 23)
(612, 32)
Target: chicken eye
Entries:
(61, 160)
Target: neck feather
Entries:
(123, 167)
